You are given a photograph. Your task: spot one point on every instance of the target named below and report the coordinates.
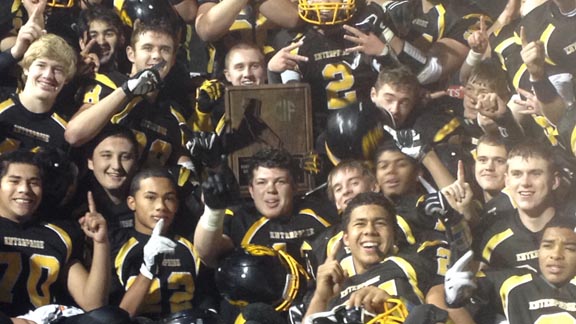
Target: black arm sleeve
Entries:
(6, 60)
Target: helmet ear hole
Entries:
(325, 12)
(259, 274)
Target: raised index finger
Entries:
(334, 252)
(460, 176)
(91, 203)
(37, 15)
(158, 228)
(483, 24)
(523, 39)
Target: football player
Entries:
(380, 270)
(531, 179)
(546, 294)
(152, 265)
(28, 118)
(274, 219)
(43, 255)
(139, 103)
(223, 23)
(112, 157)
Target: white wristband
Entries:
(473, 58)
(145, 272)
(212, 219)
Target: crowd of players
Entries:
(444, 131)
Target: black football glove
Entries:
(210, 92)
(205, 147)
(220, 189)
(408, 142)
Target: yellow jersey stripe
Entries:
(494, 242)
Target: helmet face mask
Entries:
(326, 12)
(395, 312)
(260, 274)
(60, 3)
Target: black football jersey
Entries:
(338, 78)
(507, 243)
(157, 130)
(32, 257)
(23, 129)
(527, 297)
(101, 85)
(555, 30)
(447, 19)
(173, 287)
(247, 225)
(405, 275)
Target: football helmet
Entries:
(353, 132)
(259, 274)
(395, 312)
(326, 12)
(144, 10)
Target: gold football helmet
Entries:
(395, 312)
(326, 12)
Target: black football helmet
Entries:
(144, 10)
(259, 274)
(353, 132)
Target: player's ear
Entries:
(227, 75)
(90, 164)
(556, 181)
(130, 53)
(131, 202)
(373, 94)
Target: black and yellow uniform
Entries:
(175, 285)
(157, 129)
(506, 45)
(556, 31)
(447, 19)
(405, 275)
(506, 243)
(527, 297)
(101, 85)
(247, 225)
(32, 256)
(21, 128)
(250, 26)
(338, 78)
(315, 251)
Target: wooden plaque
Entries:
(284, 112)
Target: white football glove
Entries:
(156, 246)
(458, 282)
(145, 81)
(49, 313)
